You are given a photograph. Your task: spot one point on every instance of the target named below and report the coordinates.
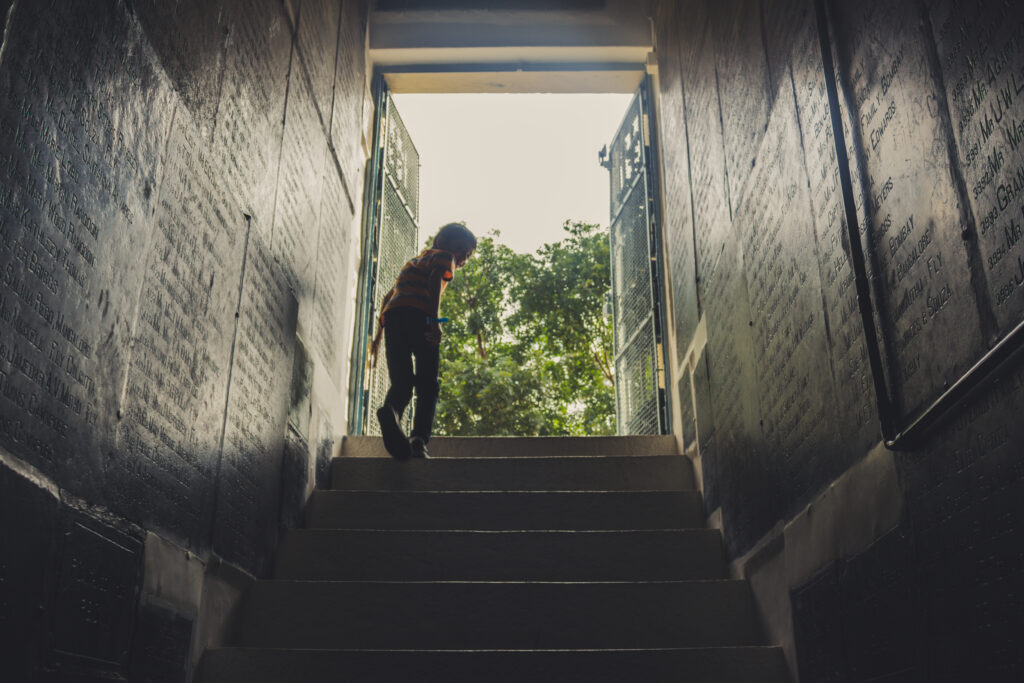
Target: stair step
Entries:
(707, 665)
(480, 615)
(521, 446)
(574, 473)
(367, 555)
(491, 511)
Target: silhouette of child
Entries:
(411, 327)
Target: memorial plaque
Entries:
(684, 389)
(318, 51)
(857, 414)
(324, 452)
(677, 214)
(702, 400)
(783, 25)
(964, 494)
(749, 477)
(27, 536)
(882, 620)
(706, 434)
(741, 67)
(816, 604)
(160, 651)
(707, 172)
(294, 479)
(299, 187)
(981, 55)
(98, 579)
(84, 117)
(189, 38)
(332, 274)
(300, 407)
(249, 483)
(930, 316)
(349, 91)
(780, 262)
(161, 472)
(251, 110)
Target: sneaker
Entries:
(394, 437)
(418, 447)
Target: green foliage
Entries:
(528, 350)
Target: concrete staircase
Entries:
(501, 559)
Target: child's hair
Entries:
(454, 234)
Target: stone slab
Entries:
(935, 321)
(189, 38)
(248, 498)
(981, 57)
(333, 292)
(710, 191)
(673, 154)
(163, 642)
(775, 229)
(161, 472)
(744, 86)
(250, 116)
(96, 588)
(83, 125)
(28, 548)
(299, 190)
(348, 123)
(317, 49)
(857, 414)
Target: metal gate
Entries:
(639, 367)
(394, 196)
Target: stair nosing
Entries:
(473, 582)
(667, 530)
(496, 650)
(530, 458)
(341, 490)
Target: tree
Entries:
(528, 349)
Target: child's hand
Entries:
(433, 334)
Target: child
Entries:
(409, 320)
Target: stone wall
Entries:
(894, 566)
(180, 186)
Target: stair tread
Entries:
(494, 556)
(727, 664)
(554, 473)
(521, 446)
(491, 614)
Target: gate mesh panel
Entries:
(627, 155)
(397, 242)
(402, 161)
(631, 267)
(636, 384)
(637, 404)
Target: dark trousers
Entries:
(403, 339)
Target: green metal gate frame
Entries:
(641, 363)
(390, 236)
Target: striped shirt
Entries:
(413, 285)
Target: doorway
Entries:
(392, 217)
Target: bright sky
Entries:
(521, 164)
